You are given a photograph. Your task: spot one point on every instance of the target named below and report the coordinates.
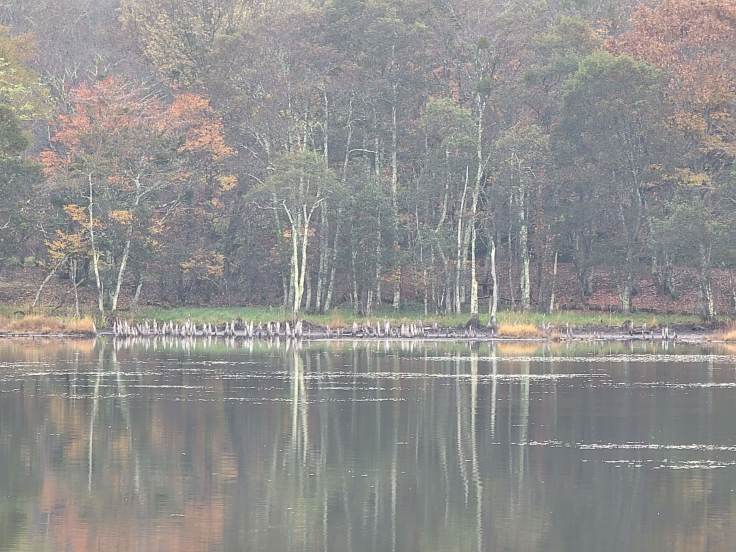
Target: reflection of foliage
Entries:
(187, 458)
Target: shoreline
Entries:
(600, 337)
(339, 324)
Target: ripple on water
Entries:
(649, 463)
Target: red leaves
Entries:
(124, 127)
(51, 162)
(120, 146)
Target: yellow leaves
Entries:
(690, 123)
(227, 182)
(158, 227)
(122, 217)
(65, 243)
(209, 262)
(77, 213)
(693, 179)
(152, 243)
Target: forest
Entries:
(452, 156)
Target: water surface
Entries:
(366, 446)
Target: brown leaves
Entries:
(695, 40)
(208, 262)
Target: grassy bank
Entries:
(346, 317)
(510, 324)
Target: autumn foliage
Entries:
(695, 42)
(120, 160)
(368, 152)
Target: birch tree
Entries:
(299, 184)
(523, 154)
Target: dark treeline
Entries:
(370, 152)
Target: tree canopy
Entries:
(372, 152)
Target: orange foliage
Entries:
(122, 216)
(51, 162)
(131, 146)
(203, 131)
(118, 121)
(76, 213)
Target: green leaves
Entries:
(12, 140)
(21, 90)
(613, 110)
(448, 125)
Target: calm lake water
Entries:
(357, 447)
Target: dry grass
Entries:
(729, 334)
(336, 320)
(518, 330)
(38, 324)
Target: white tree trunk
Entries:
(474, 312)
(526, 292)
(333, 266)
(46, 281)
(121, 271)
(295, 291)
(552, 297)
(394, 200)
(474, 208)
(95, 254)
(73, 269)
(460, 252)
(379, 263)
(709, 304)
(493, 305)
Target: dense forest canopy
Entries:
(443, 153)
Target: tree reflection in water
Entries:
(365, 446)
